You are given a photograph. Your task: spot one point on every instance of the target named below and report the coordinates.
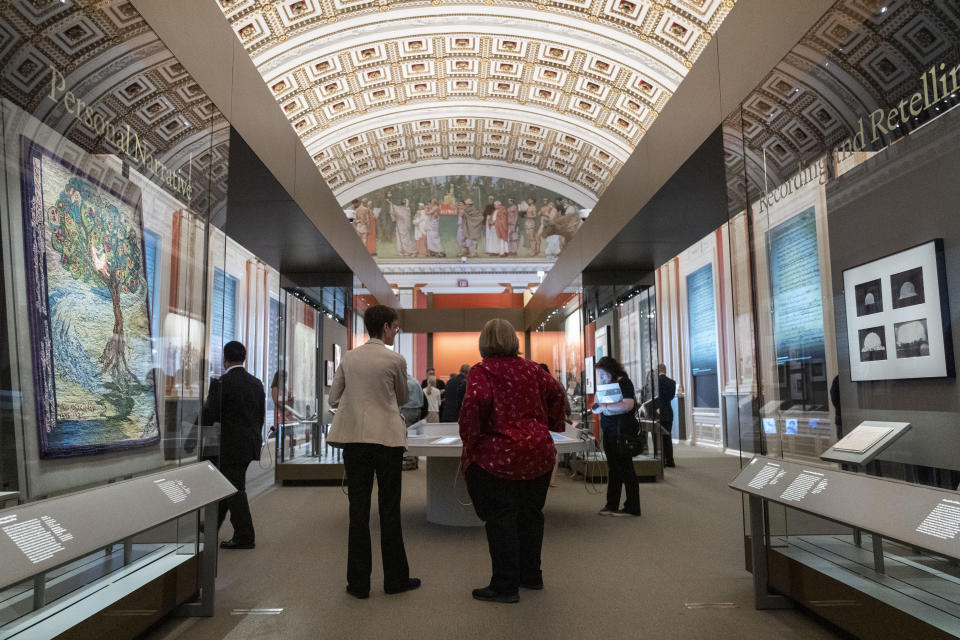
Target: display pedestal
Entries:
(911, 585)
(448, 502)
(306, 462)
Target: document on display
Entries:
(862, 438)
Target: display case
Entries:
(311, 340)
(837, 268)
(117, 297)
(58, 551)
(907, 569)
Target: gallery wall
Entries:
(903, 196)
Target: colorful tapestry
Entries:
(89, 315)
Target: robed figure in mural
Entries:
(434, 244)
(487, 214)
(463, 244)
(365, 225)
(530, 224)
(513, 227)
(497, 231)
(420, 231)
(401, 215)
(473, 219)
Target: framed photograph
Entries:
(873, 344)
(601, 342)
(869, 298)
(330, 371)
(336, 357)
(898, 316)
(588, 382)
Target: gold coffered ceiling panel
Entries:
(559, 91)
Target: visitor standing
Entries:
(509, 408)
(615, 419)
(238, 402)
(368, 389)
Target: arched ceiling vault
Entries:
(559, 92)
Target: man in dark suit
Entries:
(238, 402)
(453, 396)
(667, 388)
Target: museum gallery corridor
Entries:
(676, 572)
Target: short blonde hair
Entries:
(499, 339)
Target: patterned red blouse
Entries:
(509, 408)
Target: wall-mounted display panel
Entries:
(701, 309)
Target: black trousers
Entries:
(362, 461)
(667, 440)
(513, 513)
(620, 474)
(237, 505)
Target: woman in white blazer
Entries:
(368, 389)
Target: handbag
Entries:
(632, 438)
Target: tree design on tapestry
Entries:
(97, 245)
(92, 345)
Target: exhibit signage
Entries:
(120, 135)
(913, 514)
(42, 535)
(937, 83)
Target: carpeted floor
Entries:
(676, 572)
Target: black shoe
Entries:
(624, 512)
(669, 464)
(536, 586)
(360, 595)
(489, 595)
(233, 544)
(412, 583)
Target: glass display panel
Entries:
(114, 161)
(841, 195)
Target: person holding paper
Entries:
(616, 411)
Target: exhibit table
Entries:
(447, 500)
(913, 517)
(81, 554)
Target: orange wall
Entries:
(504, 300)
(452, 349)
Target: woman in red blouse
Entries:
(509, 408)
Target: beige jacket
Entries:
(368, 389)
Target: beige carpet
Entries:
(606, 578)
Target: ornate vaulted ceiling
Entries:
(555, 93)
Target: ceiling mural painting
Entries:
(561, 91)
(465, 217)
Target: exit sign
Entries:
(462, 283)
